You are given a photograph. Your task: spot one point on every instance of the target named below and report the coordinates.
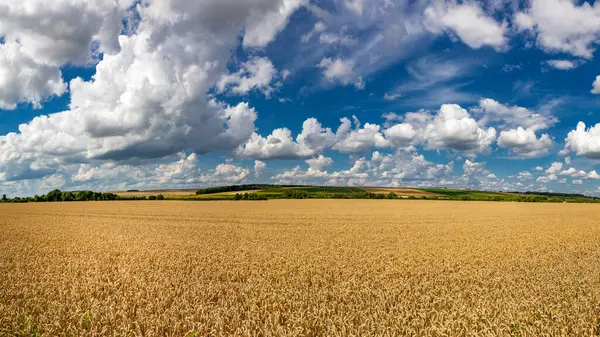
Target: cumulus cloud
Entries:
(148, 97)
(266, 20)
(584, 141)
(596, 86)
(401, 135)
(563, 64)
(573, 172)
(319, 163)
(23, 80)
(38, 39)
(453, 128)
(315, 174)
(341, 71)
(64, 32)
(492, 111)
(524, 142)
(468, 22)
(358, 139)
(398, 169)
(524, 175)
(179, 171)
(313, 139)
(255, 74)
(551, 173)
(259, 168)
(562, 26)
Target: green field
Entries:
(336, 192)
(264, 192)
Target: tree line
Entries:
(59, 196)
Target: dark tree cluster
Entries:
(58, 195)
(250, 196)
(238, 188)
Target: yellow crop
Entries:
(300, 268)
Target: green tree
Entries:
(4, 198)
(54, 195)
(67, 196)
(160, 197)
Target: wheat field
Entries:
(299, 268)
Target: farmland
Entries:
(299, 268)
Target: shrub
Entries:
(391, 195)
(160, 197)
(295, 194)
(152, 197)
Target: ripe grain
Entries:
(300, 268)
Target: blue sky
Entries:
(171, 94)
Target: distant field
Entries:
(401, 191)
(156, 192)
(299, 268)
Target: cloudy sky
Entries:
(123, 94)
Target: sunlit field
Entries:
(300, 268)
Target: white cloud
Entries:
(24, 80)
(360, 139)
(319, 163)
(593, 175)
(573, 172)
(64, 32)
(180, 171)
(354, 5)
(226, 173)
(584, 142)
(38, 39)
(472, 168)
(578, 182)
(401, 135)
(468, 22)
(524, 142)
(453, 128)
(551, 173)
(333, 39)
(539, 168)
(315, 174)
(341, 71)
(596, 86)
(492, 111)
(148, 97)
(391, 96)
(259, 167)
(563, 26)
(318, 28)
(563, 64)
(313, 139)
(266, 21)
(525, 175)
(255, 74)
(554, 168)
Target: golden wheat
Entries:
(300, 268)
